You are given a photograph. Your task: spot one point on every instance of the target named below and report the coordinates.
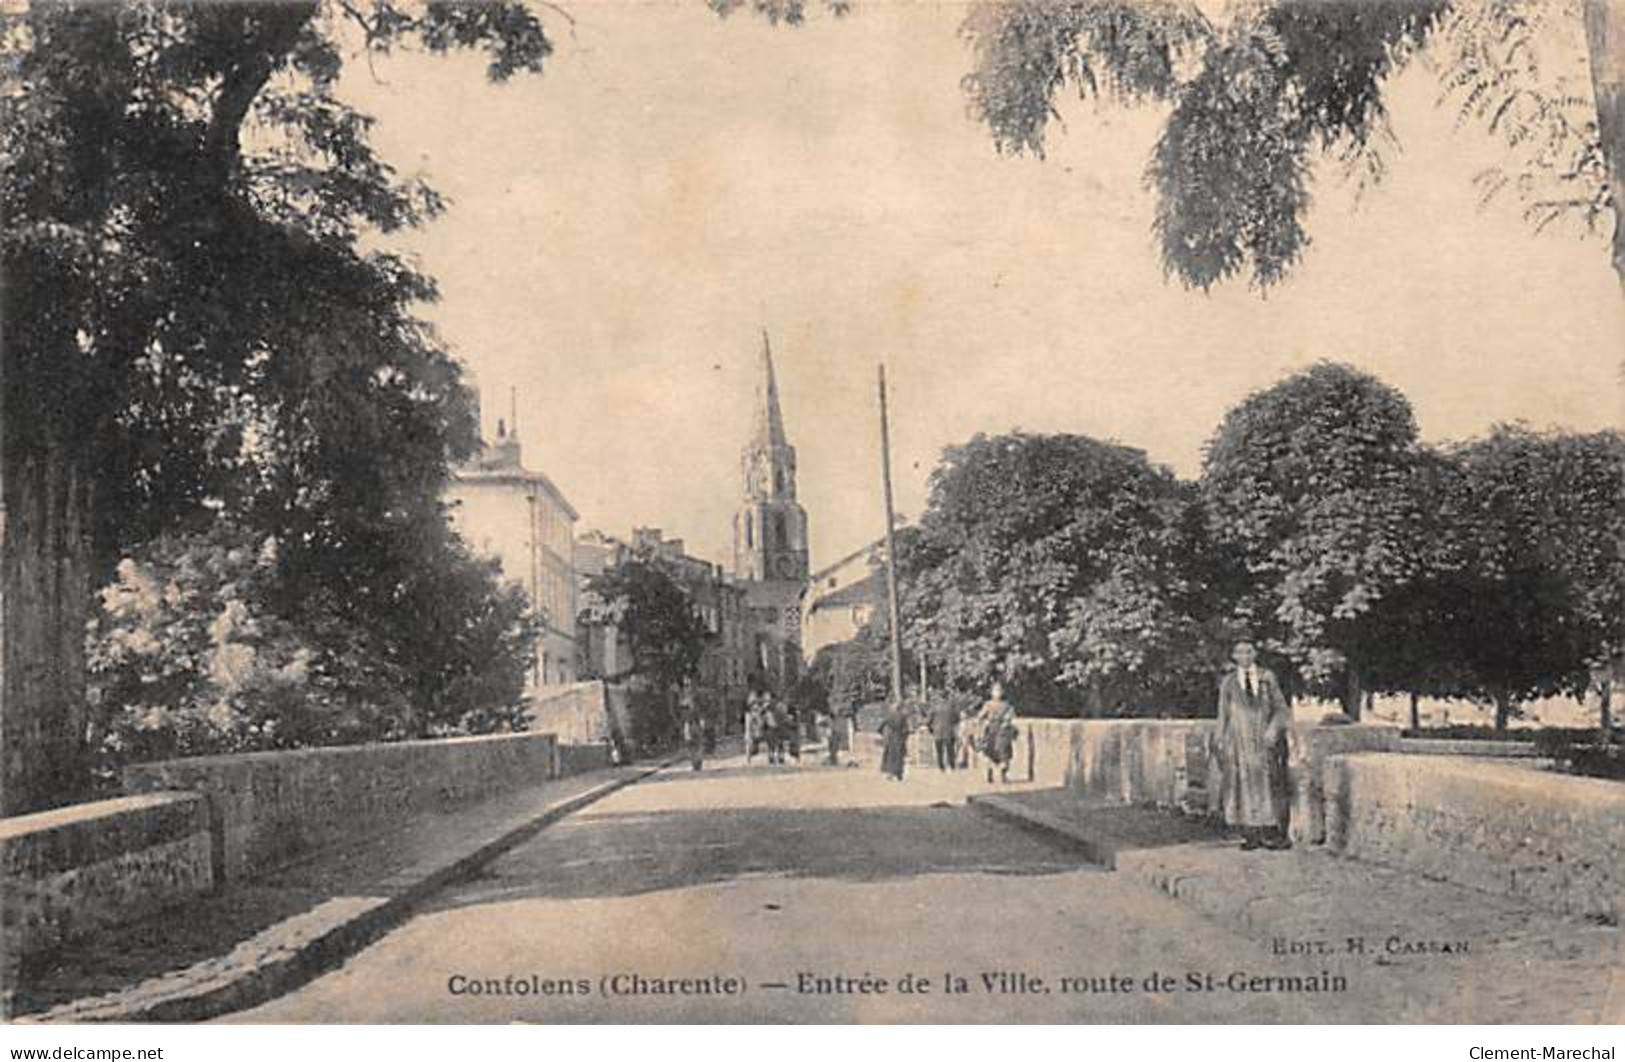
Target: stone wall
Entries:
(1554, 840)
(1169, 762)
(73, 870)
(579, 759)
(267, 808)
(580, 714)
(1134, 761)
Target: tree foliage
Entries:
(1253, 102)
(192, 324)
(190, 653)
(1060, 564)
(1544, 593)
(1311, 487)
(1250, 102)
(642, 602)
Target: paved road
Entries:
(689, 896)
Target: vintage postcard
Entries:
(814, 511)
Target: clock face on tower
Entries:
(786, 567)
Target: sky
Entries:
(623, 226)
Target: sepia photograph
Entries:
(813, 512)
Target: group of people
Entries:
(991, 733)
(1253, 722)
(771, 723)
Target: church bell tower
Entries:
(770, 528)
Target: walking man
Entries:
(1253, 721)
(945, 733)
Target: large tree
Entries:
(638, 600)
(1543, 597)
(1065, 566)
(1311, 490)
(191, 322)
(1252, 102)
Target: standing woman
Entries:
(996, 723)
(894, 730)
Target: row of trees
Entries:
(1082, 574)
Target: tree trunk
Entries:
(1605, 43)
(45, 585)
(1416, 713)
(1503, 711)
(1353, 691)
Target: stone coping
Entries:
(369, 748)
(73, 814)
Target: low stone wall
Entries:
(579, 759)
(1309, 749)
(1135, 761)
(268, 808)
(1469, 747)
(73, 870)
(1554, 840)
(1169, 762)
(580, 714)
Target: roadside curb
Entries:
(1094, 849)
(293, 952)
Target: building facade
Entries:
(518, 516)
(842, 597)
(770, 539)
(718, 602)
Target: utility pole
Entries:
(891, 551)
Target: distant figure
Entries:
(945, 733)
(771, 730)
(894, 730)
(753, 725)
(996, 726)
(970, 739)
(790, 726)
(693, 728)
(1253, 720)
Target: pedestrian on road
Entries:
(970, 739)
(838, 742)
(945, 733)
(693, 728)
(1253, 721)
(753, 725)
(792, 732)
(996, 725)
(771, 730)
(894, 730)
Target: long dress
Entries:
(997, 728)
(1250, 728)
(895, 731)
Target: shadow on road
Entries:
(737, 768)
(640, 851)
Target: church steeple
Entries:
(768, 462)
(770, 528)
(769, 426)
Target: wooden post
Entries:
(891, 550)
